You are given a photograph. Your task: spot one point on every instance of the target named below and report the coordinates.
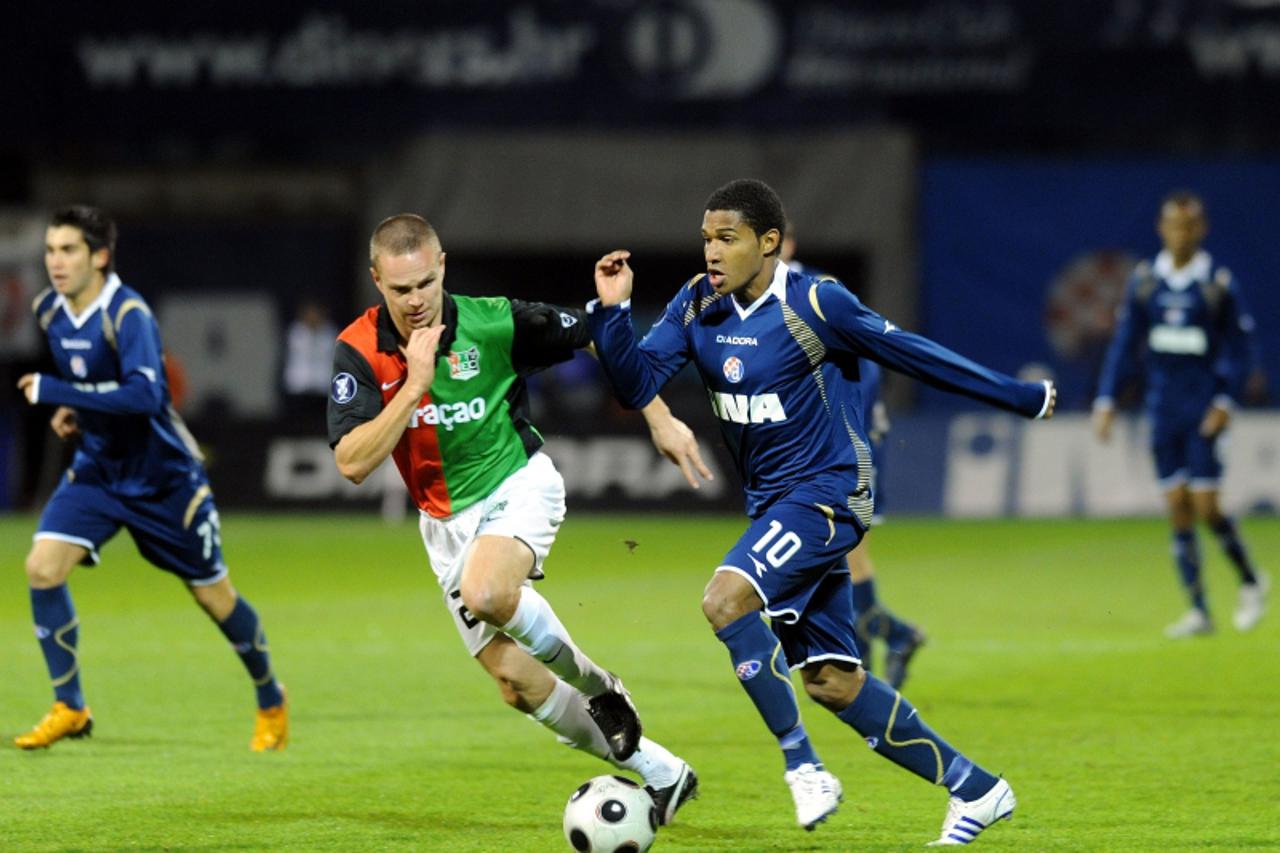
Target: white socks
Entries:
(565, 713)
(536, 629)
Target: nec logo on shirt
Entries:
(464, 365)
(747, 408)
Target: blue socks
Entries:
(58, 631)
(893, 728)
(875, 621)
(1229, 539)
(245, 633)
(761, 667)
(1186, 554)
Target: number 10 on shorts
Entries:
(781, 550)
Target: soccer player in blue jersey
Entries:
(136, 466)
(873, 620)
(777, 353)
(1185, 314)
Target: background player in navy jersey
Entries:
(1185, 312)
(874, 621)
(774, 349)
(136, 467)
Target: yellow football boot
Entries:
(271, 731)
(60, 722)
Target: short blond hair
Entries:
(401, 234)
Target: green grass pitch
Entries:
(1045, 662)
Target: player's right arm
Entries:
(360, 449)
(636, 372)
(139, 390)
(1121, 358)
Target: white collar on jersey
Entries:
(108, 290)
(777, 287)
(1197, 269)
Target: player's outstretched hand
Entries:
(64, 423)
(1215, 421)
(1102, 418)
(676, 441)
(1052, 402)
(420, 353)
(614, 278)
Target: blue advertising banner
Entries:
(1023, 263)
(322, 71)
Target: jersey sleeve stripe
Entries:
(813, 302)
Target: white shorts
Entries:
(528, 505)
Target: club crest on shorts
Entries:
(343, 388)
(734, 369)
(465, 364)
(748, 670)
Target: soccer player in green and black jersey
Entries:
(435, 381)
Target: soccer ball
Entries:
(610, 814)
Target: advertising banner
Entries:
(347, 69)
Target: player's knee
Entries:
(490, 603)
(43, 573)
(726, 599)
(719, 609)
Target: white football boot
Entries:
(1194, 623)
(965, 820)
(1252, 603)
(817, 794)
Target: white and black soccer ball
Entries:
(610, 814)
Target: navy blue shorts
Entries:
(177, 532)
(794, 557)
(1185, 457)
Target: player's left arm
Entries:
(844, 324)
(140, 390)
(545, 334)
(674, 440)
(548, 334)
(1237, 358)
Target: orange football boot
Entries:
(271, 731)
(60, 722)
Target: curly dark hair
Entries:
(755, 201)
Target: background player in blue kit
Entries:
(874, 621)
(902, 639)
(775, 351)
(1185, 312)
(136, 467)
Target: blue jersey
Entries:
(111, 371)
(781, 374)
(1196, 335)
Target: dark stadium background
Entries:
(983, 172)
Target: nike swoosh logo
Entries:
(393, 383)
